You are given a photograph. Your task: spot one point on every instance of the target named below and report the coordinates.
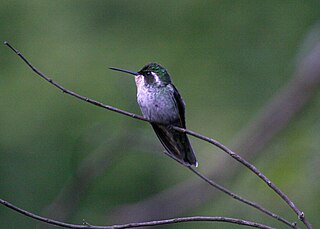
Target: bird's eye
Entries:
(148, 73)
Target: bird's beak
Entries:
(126, 71)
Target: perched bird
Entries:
(161, 103)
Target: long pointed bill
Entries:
(126, 71)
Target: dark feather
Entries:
(176, 143)
(181, 107)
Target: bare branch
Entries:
(64, 90)
(252, 168)
(235, 196)
(132, 225)
(299, 213)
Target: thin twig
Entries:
(237, 157)
(235, 196)
(299, 213)
(241, 199)
(132, 225)
(256, 171)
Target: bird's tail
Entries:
(176, 143)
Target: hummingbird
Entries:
(161, 103)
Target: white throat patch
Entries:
(156, 77)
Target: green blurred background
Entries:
(227, 58)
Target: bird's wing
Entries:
(181, 106)
(168, 138)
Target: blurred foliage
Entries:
(227, 58)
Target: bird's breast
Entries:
(157, 104)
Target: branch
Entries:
(253, 169)
(243, 200)
(132, 225)
(235, 196)
(300, 214)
